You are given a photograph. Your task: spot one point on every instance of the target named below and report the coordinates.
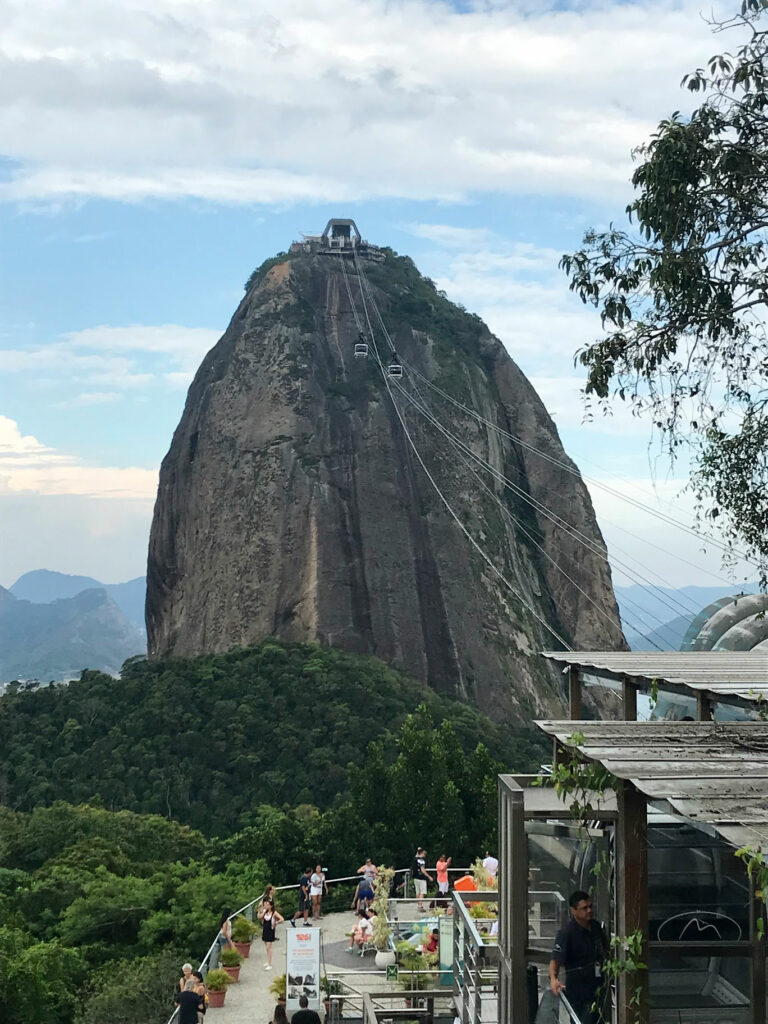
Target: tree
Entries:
(683, 295)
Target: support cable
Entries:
(532, 611)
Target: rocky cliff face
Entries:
(292, 502)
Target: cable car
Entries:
(361, 350)
(394, 369)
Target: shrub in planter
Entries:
(277, 988)
(216, 982)
(242, 935)
(231, 960)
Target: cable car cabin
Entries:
(395, 370)
(361, 350)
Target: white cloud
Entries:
(28, 466)
(113, 359)
(90, 398)
(310, 100)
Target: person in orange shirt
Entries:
(441, 869)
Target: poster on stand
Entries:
(445, 948)
(302, 968)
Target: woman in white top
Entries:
(316, 888)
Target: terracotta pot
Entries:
(243, 948)
(233, 972)
(216, 999)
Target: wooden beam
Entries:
(575, 707)
(629, 695)
(632, 895)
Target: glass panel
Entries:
(562, 859)
(699, 990)
(698, 889)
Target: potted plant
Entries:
(242, 935)
(412, 960)
(382, 930)
(278, 988)
(331, 987)
(231, 960)
(216, 982)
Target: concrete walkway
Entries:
(250, 1001)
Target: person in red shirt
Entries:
(434, 941)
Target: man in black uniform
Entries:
(581, 948)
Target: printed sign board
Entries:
(302, 968)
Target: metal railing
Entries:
(475, 961)
(380, 1006)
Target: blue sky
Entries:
(151, 155)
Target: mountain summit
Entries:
(361, 464)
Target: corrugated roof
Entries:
(713, 773)
(729, 675)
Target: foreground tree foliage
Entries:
(683, 296)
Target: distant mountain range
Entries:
(41, 586)
(53, 625)
(658, 617)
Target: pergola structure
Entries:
(706, 779)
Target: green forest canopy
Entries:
(206, 740)
(93, 899)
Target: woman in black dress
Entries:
(270, 919)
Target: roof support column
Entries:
(704, 708)
(629, 695)
(758, 978)
(574, 693)
(513, 906)
(632, 896)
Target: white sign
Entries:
(302, 969)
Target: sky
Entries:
(153, 152)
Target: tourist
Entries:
(441, 870)
(304, 1015)
(434, 942)
(362, 933)
(580, 947)
(186, 974)
(491, 866)
(189, 1003)
(201, 990)
(225, 931)
(304, 897)
(270, 919)
(420, 877)
(279, 1016)
(317, 887)
(365, 890)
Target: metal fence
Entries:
(475, 960)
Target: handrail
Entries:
(569, 1010)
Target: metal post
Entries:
(632, 892)
(629, 694)
(574, 694)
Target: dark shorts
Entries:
(305, 904)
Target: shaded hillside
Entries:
(206, 740)
(57, 640)
(292, 503)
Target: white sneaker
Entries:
(267, 967)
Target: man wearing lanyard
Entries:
(580, 948)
